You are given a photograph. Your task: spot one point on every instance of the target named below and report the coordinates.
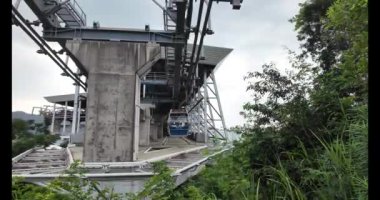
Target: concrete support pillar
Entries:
(113, 97)
(145, 127)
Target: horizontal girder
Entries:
(164, 38)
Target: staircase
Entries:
(69, 12)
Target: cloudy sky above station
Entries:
(258, 33)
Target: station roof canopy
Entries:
(69, 98)
(212, 55)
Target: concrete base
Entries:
(200, 137)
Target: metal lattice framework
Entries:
(205, 111)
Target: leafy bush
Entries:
(23, 140)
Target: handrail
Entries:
(158, 76)
(77, 11)
(82, 14)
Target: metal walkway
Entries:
(40, 161)
(40, 166)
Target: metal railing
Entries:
(81, 15)
(158, 76)
(77, 10)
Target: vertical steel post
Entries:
(205, 107)
(78, 117)
(209, 19)
(144, 87)
(64, 119)
(209, 107)
(52, 121)
(73, 124)
(219, 104)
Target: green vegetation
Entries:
(306, 136)
(72, 185)
(22, 140)
(306, 132)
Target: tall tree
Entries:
(318, 41)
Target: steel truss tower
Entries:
(205, 111)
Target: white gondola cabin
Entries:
(178, 123)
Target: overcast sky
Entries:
(257, 32)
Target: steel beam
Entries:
(157, 100)
(28, 29)
(155, 82)
(178, 52)
(219, 103)
(164, 38)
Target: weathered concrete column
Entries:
(145, 127)
(113, 97)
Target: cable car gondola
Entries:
(178, 123)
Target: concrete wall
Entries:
(145, 127)
(112, 118)
(153, 132)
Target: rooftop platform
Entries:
(154, 152)
(40, 165)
